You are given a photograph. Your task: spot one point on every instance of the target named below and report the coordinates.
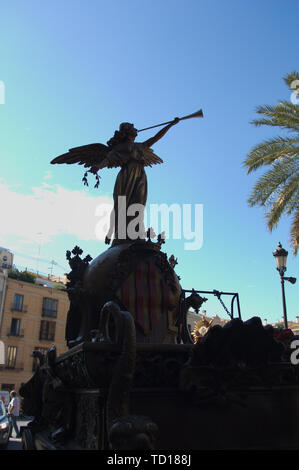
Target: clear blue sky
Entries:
(74, 70)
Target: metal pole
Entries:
(239, 309)
(284, 301)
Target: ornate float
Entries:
(133, 378)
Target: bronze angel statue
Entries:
(121, 151)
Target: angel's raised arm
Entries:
(160, 134)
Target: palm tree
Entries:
(278, 188)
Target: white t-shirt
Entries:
(14, 406)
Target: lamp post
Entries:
(280, 255)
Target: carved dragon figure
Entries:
(124, 431)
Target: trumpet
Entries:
(198, 114)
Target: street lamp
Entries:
(280, 255)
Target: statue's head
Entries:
(127, 129)
(126, 132)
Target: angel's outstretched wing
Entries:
(98, 156)
(91, 156)
(150, 158)
(119, 156)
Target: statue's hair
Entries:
(120, 135)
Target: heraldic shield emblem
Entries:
(150, 293)
(145, 294)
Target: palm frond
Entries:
(292, 204)
(281, 204)
(270, 150)
(291, 78)
(278, 188)
(294, 233)
(267, 186)
(284, 115)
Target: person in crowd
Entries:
(14, 411)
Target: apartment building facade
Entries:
(33, 317)
(6, 261)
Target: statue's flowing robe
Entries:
(131, 183)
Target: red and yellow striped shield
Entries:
(145, 294)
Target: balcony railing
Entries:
(18, 308)
(15, 367)
(47, 312)
(18, 334)
(50, 337)
(5, 266)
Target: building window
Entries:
(47, 330)
(18, 302)
(50, 307)
(15, 327)
(11, 357)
